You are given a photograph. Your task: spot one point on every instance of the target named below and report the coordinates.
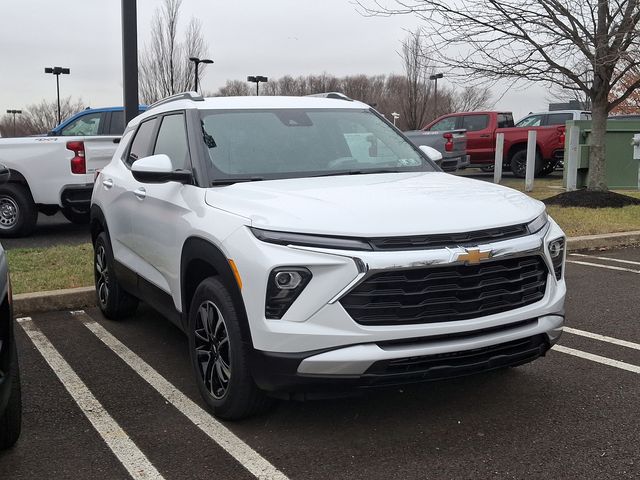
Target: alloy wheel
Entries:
(102, 275)
(213, 352)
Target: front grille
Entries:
(449, 293)
(419, 242)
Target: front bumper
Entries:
(318, 343)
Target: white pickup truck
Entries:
(56, 172)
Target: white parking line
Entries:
(127, 452)
(603, 338)
(255, 463)
(617, 260)
(608, 267)
(597, 358)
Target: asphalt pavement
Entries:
(111, 400)
(50, 231)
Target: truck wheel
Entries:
(11, 419)
(79, 217)
(519, 164)
(18, 213)
(219, 357)
(114, 302)
(488, 168)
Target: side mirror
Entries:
(158, 169)
(5, 174)
(432, 154)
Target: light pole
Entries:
(395, 116)
(257, 79)
(14, 113)
(435, 78)
(197, 62)
(57, 71)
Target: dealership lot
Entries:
(109, 400)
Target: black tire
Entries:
(548, 169)
(217, 353)
(79, 217)
(11, 419)
(519, 164)
(114, 302)
(488, 168)
(18, 213)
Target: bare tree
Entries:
(580, 45)
(40, 118)
(164, 63)
(470, 99)
(234, 88)
(417, 95)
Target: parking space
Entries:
(109, 400)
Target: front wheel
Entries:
(219, 357)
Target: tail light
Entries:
(562, 131)
(78, 162)
(448, 146)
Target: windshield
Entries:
(285, 143)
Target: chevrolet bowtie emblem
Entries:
(473, 256)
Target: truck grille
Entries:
(447, 294)
(420, 242)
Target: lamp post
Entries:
(257, 79)
(197, 61)
(57, 71)
(14, 113)
(395, 116)
(435, 77)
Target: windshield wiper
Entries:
(356, 172)
(231, 181)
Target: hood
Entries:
(390, 204)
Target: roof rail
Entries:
(336, 95)
(194, 96)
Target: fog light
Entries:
(285, 284)
(556, 251)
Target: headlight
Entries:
(285, 284)
(309, 240)
(556, 251)
(538, 224)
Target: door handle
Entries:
(140, 193)
(485, 136)
(108, 183)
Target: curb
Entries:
(84, 297)
(69, 299)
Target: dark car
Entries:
(10, 398)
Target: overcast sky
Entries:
(271, 38)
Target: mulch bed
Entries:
(587, 199)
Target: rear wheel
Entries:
(11, 419)
(79, 217)
(18, 213)
(219, 357)
(519, 164)
(113, 300)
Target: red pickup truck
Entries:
(482, 128)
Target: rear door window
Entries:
(559, 118)
(505, 120)
(474, 123)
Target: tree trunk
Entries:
(597, 154)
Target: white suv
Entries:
(305, 246)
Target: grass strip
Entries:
(52, 268)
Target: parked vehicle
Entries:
(10, 396)
(56, 172)
(482, 127)
(452, 144)
(557, 117)
(304, 245)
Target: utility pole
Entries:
(257, 79)
(197, 62)
(130, 59)
(435, 78)
(14, 113)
